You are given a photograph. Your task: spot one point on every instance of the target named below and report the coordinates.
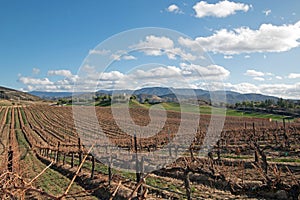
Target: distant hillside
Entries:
(167, 94)
(51, 95)
(11, 94)
(231, 97)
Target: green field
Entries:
(205, 109)
(190, 108)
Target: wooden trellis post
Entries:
(93, 167)
(169, 143)
(64, 159)
(138, 175)
(219, 150)
(10, 159)
(79, 153)
(109, 170)
(72, 159)
(57, 153)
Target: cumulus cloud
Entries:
(119, 57)
(288, 91)
(174, 8)
(259, 79)
(228, 57)
(191, 44)
(268, 38)
(240, 87)
(34, 81)
(158, 46)
(153, 45)
(282, 90)
(252, 72)
(208, 77)
(46, 84)
(111, 76)
(183, 76)
(157, 73)
(267, 12)
(173, 76)
(293, 76)
(211, 72)
(260, 76)
(99, 52)
(36, 71)
(129, 57)
(220, 9)
(62, 72)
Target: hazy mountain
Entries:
(51, 95)
(11, 94)
(169, 94)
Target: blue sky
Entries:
(254, 44)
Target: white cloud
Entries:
(267, 12)
(268, 38)
(91, 80)
(99, 52)
(293, 76)
(240, 87)
(45, 84)
(228, 57)
(158, 46)
(220, 9)
(258, 79)
(36, 71)
(157, 73)
(35, 81)
(262, 76)
(171, 75)
(252, 72)
(62, 72)
(88, 68)
(154, 44)
(174, 8)
(119, 55)
(259, 76)
(184, 76)
(122, 56)
(281, 90)
(288, 91)
(191, 44)
(195, 76)
(211, 72)
(129, 57)
(111, 76)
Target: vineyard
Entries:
(43, 156)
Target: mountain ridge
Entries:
(162, 92)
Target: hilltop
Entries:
(15, 95)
